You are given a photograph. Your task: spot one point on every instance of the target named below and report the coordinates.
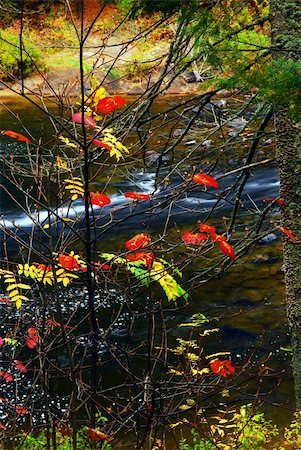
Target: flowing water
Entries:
(248, 299)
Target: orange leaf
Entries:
(20, 366)
(204, 228)
(138, 241)
(218, 237)
(15, 135)
(44, 267)
(64, 430)
(227, 249)
(21, 410)
(96, 435)
(2, 427)
(137, 196)
(207, 180)
(32, 331)
(289, 234)
(193, 238)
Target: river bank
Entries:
(66, 82)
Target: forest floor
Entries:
(120, 52)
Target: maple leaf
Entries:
(193, 238)
(137, 196)
(222, 367)
(15, 135)
(109, 104)
(88, 121)
(96, 198)
(96, 435)
(289, 234)
(206, 180)
(227, 249)
(140, 240)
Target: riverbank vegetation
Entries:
(124, 218)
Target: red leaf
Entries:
(15, 135)
(218, 237)
(207, 180)
(193, 238)
(88, 121)
(138, 241)
(7, 376)
(204, 228)
(100, 143)
(137, 196)
(223, 368)
(119, 100)
(101, 265)
(33, 337)
(96, 198)
(2, 341)
(288, 233)
(227, 249)
(273, 199)
(68, 262)
(21, 410)
(20, 366)
(5, 300)
(96, 435)
(96, 266)
(32, 341)
(148, 258)
(2, 427)
(109, 104)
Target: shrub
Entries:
(10, 58)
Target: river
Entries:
(248, 300)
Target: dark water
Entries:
(248, 300)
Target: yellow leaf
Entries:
(66, 281)
(72, 275)
(184, 407)
(59, 272)
(11, 287)
(76, 181)
(23, 286)
(13, 293)
(74, 197)
(9, 280)
(18, 304)
(214, 355)
(20, 297)
(175, 372)
(200, 371)
(207, 332)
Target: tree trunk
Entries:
(286, 42)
